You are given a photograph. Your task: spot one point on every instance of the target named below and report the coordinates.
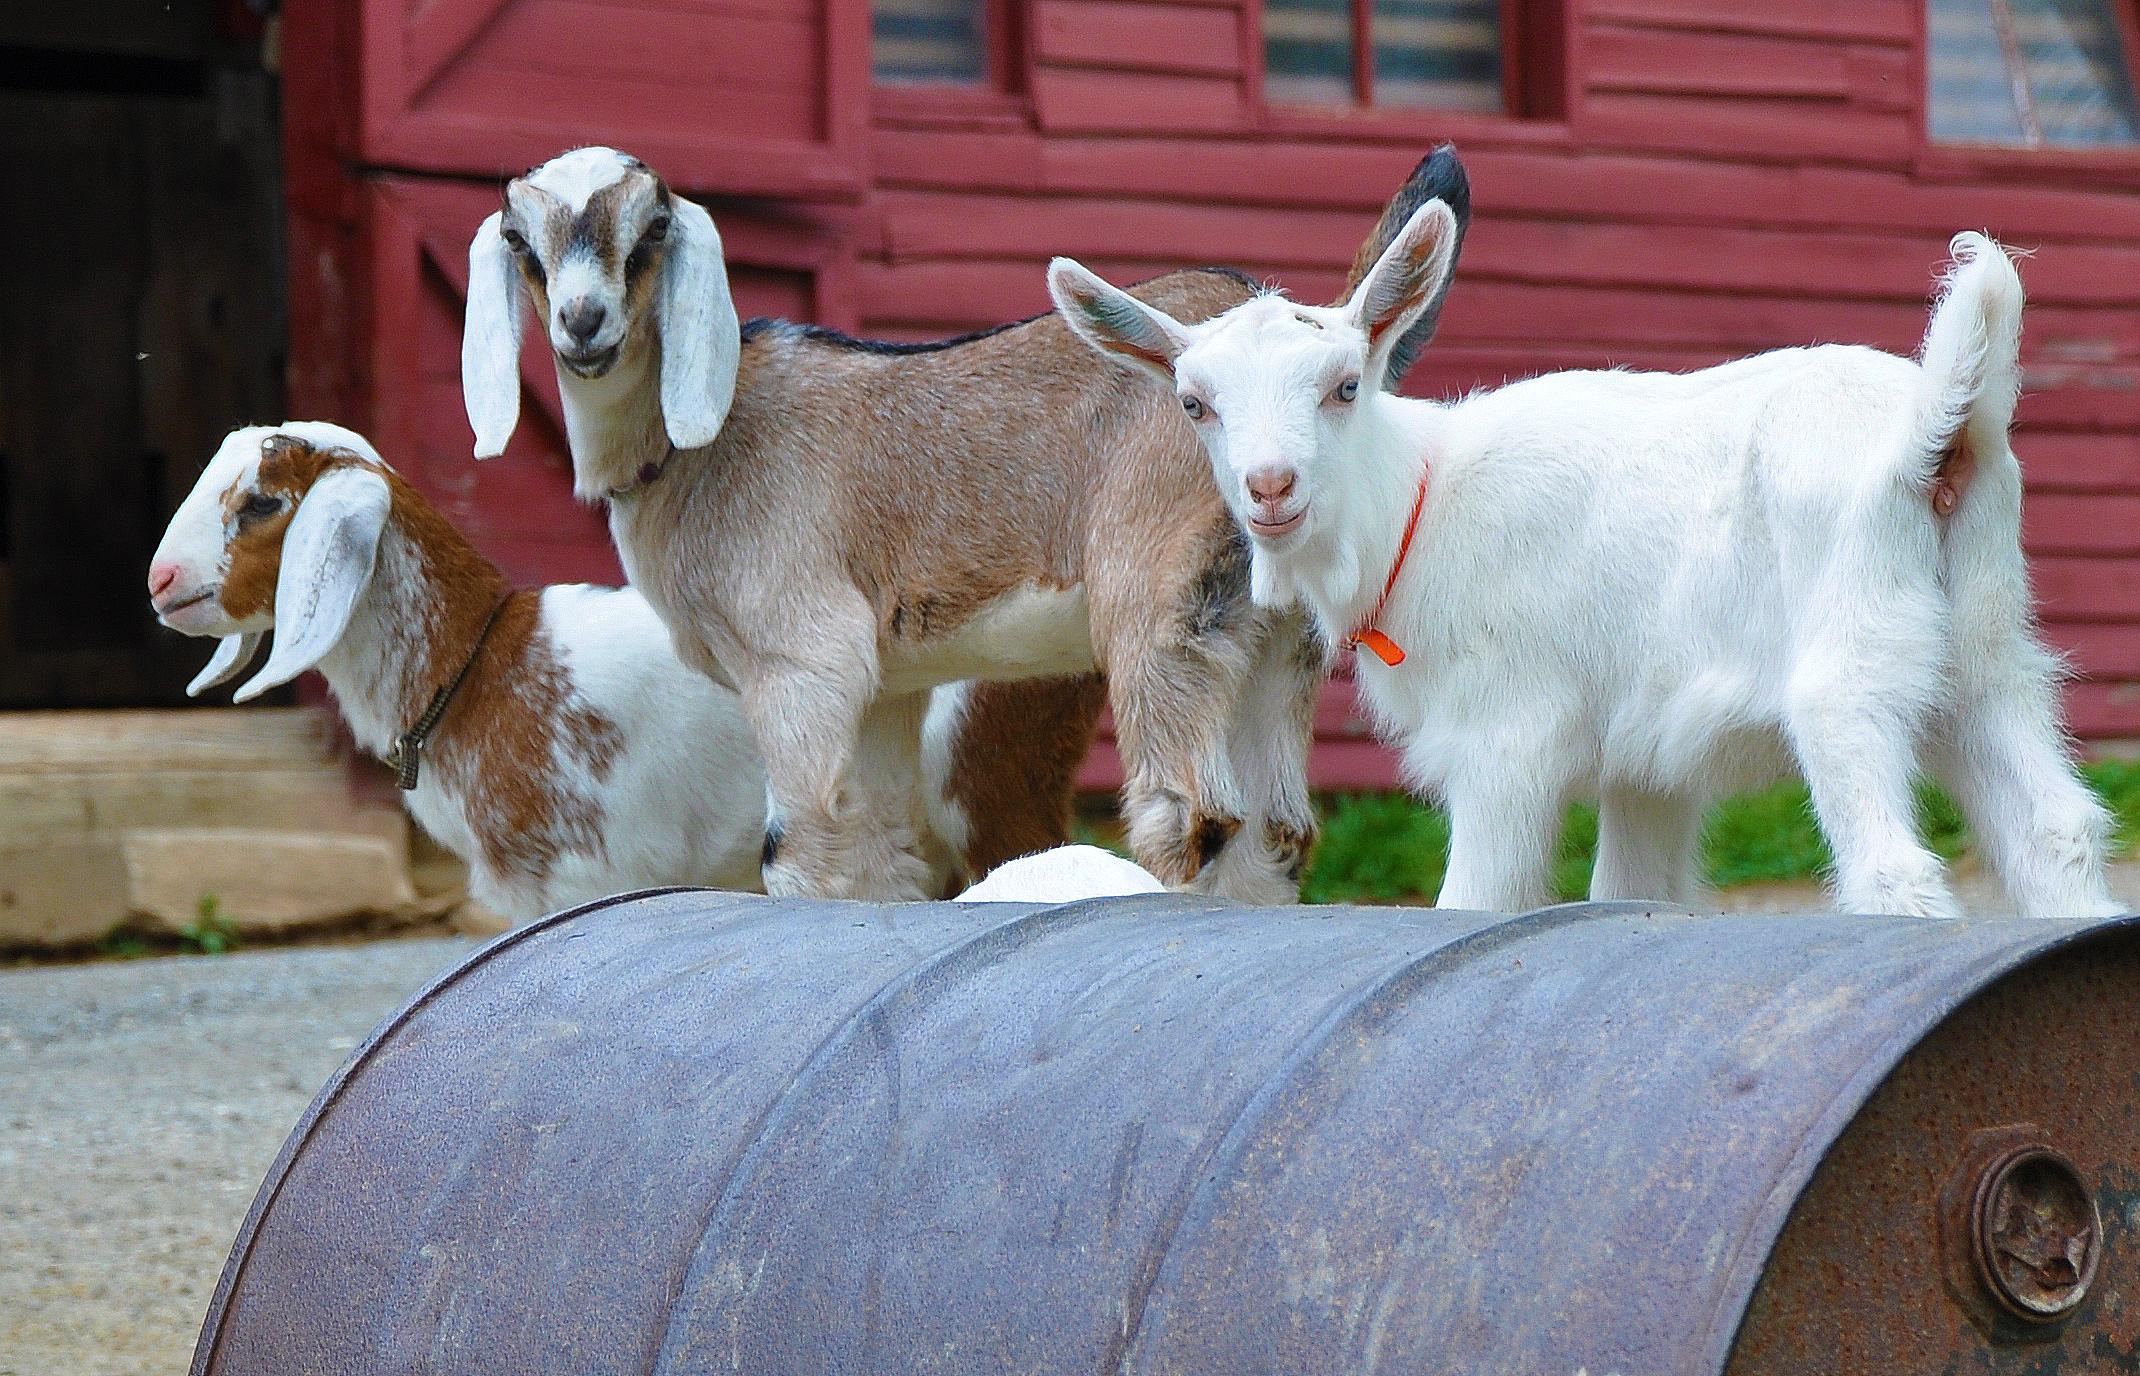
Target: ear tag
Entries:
(1384, 648)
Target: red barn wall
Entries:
(1723, 178)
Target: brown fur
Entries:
(288, 468)
(1039, 437)
(1014, 768)
(500, 736)
(862, 503)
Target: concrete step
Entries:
(101, 813)
(198, 739)
(258, 882)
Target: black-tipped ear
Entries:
(1409, 279)
(1440, 176)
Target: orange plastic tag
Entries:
(1385, 649)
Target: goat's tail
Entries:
(1970, 359)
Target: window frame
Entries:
(1537, 72)
(1001, 98)
(1943, 160)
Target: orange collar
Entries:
(1384, 648)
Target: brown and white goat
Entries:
(836, 526)
(577, 758)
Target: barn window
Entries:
(1483, 55)
(930, 42)
(2032, 73)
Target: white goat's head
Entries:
(1274, 388)
(618, 267)
(280, 533)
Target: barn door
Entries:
(740, 97)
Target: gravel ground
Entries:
(140, 1104)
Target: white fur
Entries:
(1654, 589)
(1028, 632)
(1062, 875)
(490, 342)
(327, 556)
(682, 803)
(701, 338)
(940, 729)
(575, 177)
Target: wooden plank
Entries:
(2100, 651)
(1667, 62)
(1594, 185)
(781, 112)
(1124, 36)
(1072, 99)
(1545, 251)
(71, 805)
(1749, 129)
(2077, 460)
(625, 110)
(198, 739)
(2096, 524)
(2074, 589)
(1892, 21)
(2103, 710)
(962, 160)
(743, 56)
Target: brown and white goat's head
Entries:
(1275, 389)
(620, 269)
(281, 533)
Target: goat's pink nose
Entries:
(1271, 486)
(161, 576)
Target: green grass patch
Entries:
(1389, 848)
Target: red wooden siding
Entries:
(755, 96)
(1726, 178)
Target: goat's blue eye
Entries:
(258, 507)
(1348, 390)
(1195, 408)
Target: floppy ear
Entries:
(701, 340)
(327, 558)
(232, 654)
(1114, 322)
(1405, 282)
(490, 341)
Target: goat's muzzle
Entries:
(168, 608)
(592, 364)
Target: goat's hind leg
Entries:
(2004, 758)
(1854, 722)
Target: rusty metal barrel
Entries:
(691, 1132)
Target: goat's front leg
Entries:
(829, 832)
(1646, 847)
(1504, 824)
(1267, 752)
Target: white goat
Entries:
(571, 754)
(1063, 875)
(1656, 588)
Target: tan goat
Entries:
(835, 526)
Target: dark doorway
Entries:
(141, 316)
